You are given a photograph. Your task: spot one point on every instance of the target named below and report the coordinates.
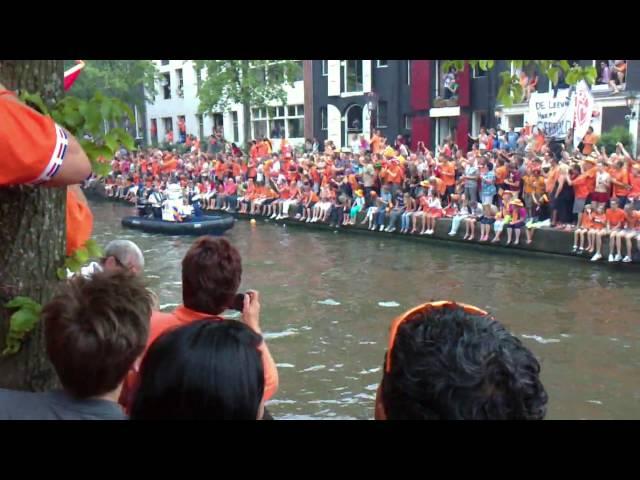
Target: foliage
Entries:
(510, 89)
(80, 257)
(122, 79)
(23, 321)
(610, 139)
(82, 117)
(248, 82)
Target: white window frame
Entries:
(345, 92)
(605, 88)
(235, 126)
(407, 122)
(408, 72)
(324, 67)
(179, 83)
(437, 79)
(378, 65)
(324, 109)
(265, 115)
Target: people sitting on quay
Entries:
(322, 187)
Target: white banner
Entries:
(553, 115)
(583, 111)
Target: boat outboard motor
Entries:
(196, 203)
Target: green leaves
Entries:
(23, 321)
(95, 251)
(34, 100)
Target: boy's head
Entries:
(453, 361)
(95, 329)
(613, 204)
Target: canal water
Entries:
(327, 301)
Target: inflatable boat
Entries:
(215, 224)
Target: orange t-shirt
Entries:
(161, 322)
(32, 146)
(615, 217)
(621, 176)
(598, 221)
(501, 174)
(635, 186)
(236, 169)
(552, 178)
(583, 185)
(448, 172)
(587, 220)
(394, 174)
(588, 141)
(375, 144)
(169, 165)
(79, 222)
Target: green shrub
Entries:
(609, 139)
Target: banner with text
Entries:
(553, 115)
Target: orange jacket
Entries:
(161, 322)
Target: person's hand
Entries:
(251, 310)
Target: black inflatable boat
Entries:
(215, 224)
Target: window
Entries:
(200, 119)
(218, 121)
(259, 122)
(408, 72)
(168, 124)
(166, 85)
(180, 89)
(325, 67)
(323, 118)
(407, 122)
(382, 114)
(164, 62)
(382, 63)
(154, 130)
(277, 122)
(234, 120)
(353, 76)
(477, 72)
(295, 121)
(198, 78)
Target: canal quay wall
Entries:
(545, 240)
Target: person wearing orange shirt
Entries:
(620, 181)
(211, 276)
(35, 150)
(309, 199)
(376, 142)
(598, 223)
(584, 225)
(394, 175)
(633, 230)
(588, 142)
(583, 185)
(169, 165)
(615, 221)
(634, 180)
(448, 176)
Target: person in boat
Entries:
(173, 203)
(156, 199)
(185, 212)
(196, 203)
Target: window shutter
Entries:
(333, 79)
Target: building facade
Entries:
(177, 101)
(349, 98)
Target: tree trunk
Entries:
(246, 112)
(32, 239)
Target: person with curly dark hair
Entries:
(450, 361)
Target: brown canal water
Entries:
(327, 301)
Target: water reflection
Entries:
(327, 301)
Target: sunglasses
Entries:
(419, 312)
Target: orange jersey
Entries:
(615, 218)
(161, 322)
(550, 182)
(169, 165)
(32, 146)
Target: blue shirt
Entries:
(486, 188)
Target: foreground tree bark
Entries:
(32, 239)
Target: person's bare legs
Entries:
(529, 233)
(472, 228)
(517, 242)
(509, 230)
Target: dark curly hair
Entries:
(451, 365)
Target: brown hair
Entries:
(211, 274)
(95, 329)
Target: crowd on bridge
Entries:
(507, 181)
